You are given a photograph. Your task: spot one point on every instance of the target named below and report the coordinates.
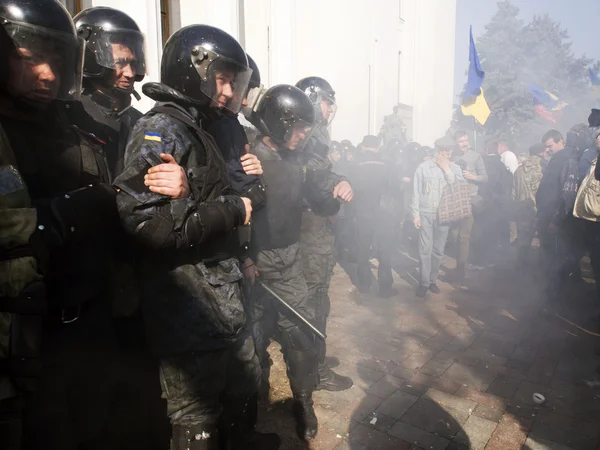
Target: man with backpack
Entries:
(555, 199)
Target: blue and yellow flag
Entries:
(474, 103)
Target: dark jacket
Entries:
(118, 122)
(190, 279)
(371, 180)
(317, 150)
(231, 140)
(499, 183)
(65, 171)
(288, 179)
(59, 220)
(556, 195)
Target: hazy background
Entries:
(580, 17)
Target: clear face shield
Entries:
(120, 50)
(47, 65)
(253, 98)
(297, 134)
(225, 82)
(328, 108)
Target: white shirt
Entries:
(510, 160)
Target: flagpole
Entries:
(474, 133)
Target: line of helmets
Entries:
(104, 47)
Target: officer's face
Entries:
(598, 141)
(334, 156)
(298, 135)
(326, 109)
(36, 77)
(125, 66)
(224, 89)
(463, 143)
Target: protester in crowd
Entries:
(473, 170)
(526, 183)
(375, 224)
(509, 159)
(554, 200)
(430, 179)
(491, 219)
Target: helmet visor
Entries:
(120, 50)
(297, 134)
(225, 81)
(327, 109)
(47, 64)
(254, 97)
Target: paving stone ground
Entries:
(456, 370)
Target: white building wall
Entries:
(354, 44)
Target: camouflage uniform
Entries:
(527, 180)
(317, 238)
(75, 222)
(280, 263)
(191, 283)
(18, 218)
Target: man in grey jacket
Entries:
(473, 170)
(429, 182)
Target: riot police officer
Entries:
(243, 168)
(59, 210)
(191, 289)
(317, 237)
(287, 117)
(114, 62)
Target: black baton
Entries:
(293, 311)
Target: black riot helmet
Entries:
(580, 138)
(287, 116)
(255, 91)
(207, 66)
(42, 57)
(322, 95)
(114, 44)
(255, 78)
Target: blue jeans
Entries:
(432, 240)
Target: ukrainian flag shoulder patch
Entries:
(153, 136)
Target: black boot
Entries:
(331, 381)
(307, 424)
(302, 372)
(195, 437)
(237, 425)
(332, 362)
(265, 386)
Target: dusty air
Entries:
(299, 224)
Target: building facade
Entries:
(375, 53)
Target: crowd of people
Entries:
(152, 258)
(506, 197)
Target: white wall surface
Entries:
(354, 44)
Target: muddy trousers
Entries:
(281, 270)
(316, 244)
(210, 391)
